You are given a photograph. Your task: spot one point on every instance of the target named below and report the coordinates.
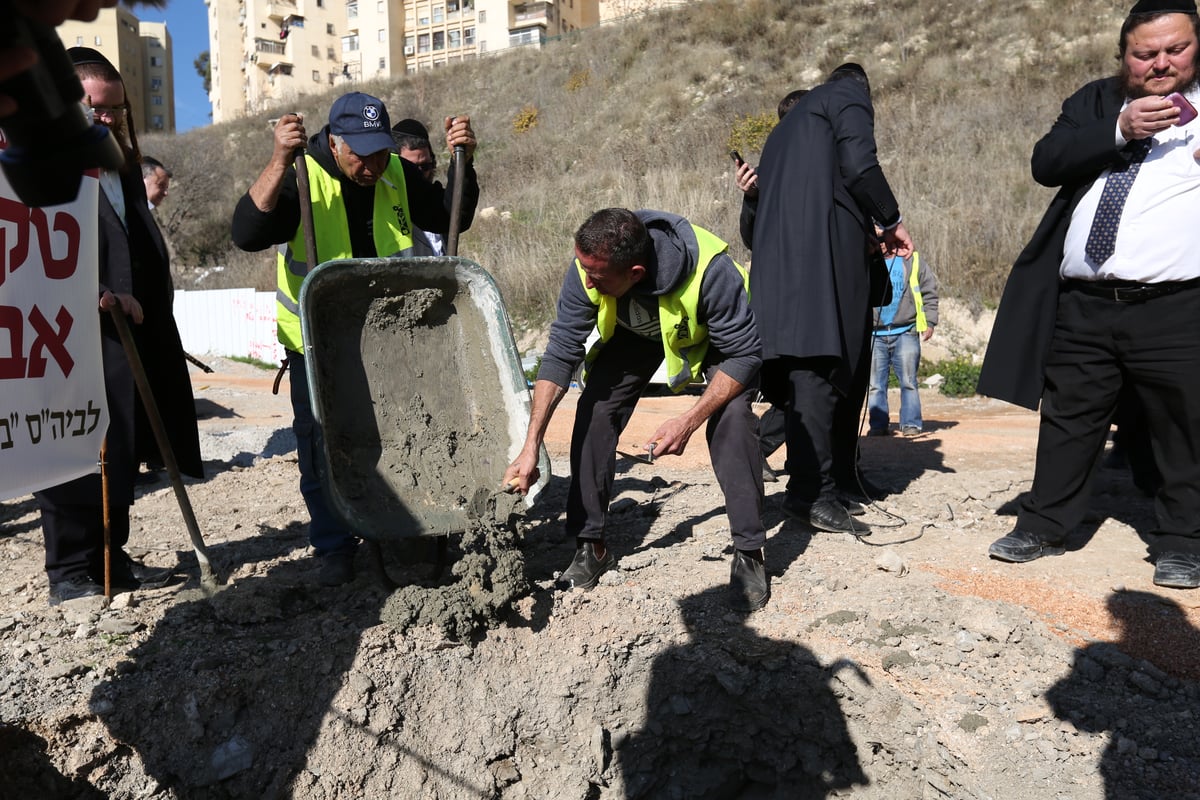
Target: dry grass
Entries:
(640, 114)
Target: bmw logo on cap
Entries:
(371, 113)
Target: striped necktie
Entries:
(1102, 238)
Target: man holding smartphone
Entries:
(1104, 297)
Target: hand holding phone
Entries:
(1187, 112)
(737, 157)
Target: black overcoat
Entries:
(820, 190)
(1078, 148)
(135, 261)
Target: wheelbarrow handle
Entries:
(458, 161)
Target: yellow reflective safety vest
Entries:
(392, 229)
(914, 285)
(685, 340)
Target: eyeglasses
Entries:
(112, 112)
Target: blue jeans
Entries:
(326, 532)
(900, 352)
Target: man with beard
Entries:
(135, 275)
(1104, 296)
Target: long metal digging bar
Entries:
(207, 577)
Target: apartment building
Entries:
(263, 52)
(141, 51)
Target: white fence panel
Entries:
(228, 322)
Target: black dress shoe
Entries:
(748, 587)
(129, 575)
(1177, 570)
(853, 507)
(586, 569)
(859, 487)
(829, 515)
(1021, 546)
(64, 591)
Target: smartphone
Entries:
(737, 157)
(1187, 111)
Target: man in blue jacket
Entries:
(656, 287)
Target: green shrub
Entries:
(961, 375)
(525, 120)
(750, 131)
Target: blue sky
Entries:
(187, 22)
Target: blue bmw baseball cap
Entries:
(362, 121)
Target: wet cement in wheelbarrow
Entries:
(431, 450)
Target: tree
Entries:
(203, 67)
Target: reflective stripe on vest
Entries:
(685, 340)
(914, 284)
(392, 232)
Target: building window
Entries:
(316, 50)
(316, 76)
(423, 43)
(483, 45)
(156, 61)
(482, 17)
(455, 38)
(156, 83)
(439, 40)
(468, 35)
(331, 54)
(438, 14)
(320, 3)
(379, 6)
(423, 20)
(79, 41)
(410, 43)
(383, 34)
(350, 43)
(97, 41)
(351, 10)
(157, 121)
(156, 100)
(329, 28)
(382, 64)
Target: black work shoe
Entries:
(1177, 570)
(860, 488)
(1021, 546)
(828, 515)
(748, 587)
(65, 591)
(852, 506)
(586, 569)
(337, 568)
(129, 575)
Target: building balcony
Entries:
(281, 9)
(523, 14)
(270, 48)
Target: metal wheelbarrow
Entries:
(416, 381)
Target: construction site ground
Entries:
(906, 664)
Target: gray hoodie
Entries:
(724, 306)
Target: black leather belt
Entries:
(1129, 291)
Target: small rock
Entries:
(964, 641)
(900, 658)
(123, 601)
(118, 626)
(7, 623)
(232, 757)
(1147, 754)
(1126, 746)
(972, 722)
(1013, 733)
(1034, 713)
(890, 561)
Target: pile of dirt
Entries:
(903, 665)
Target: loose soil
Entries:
(903, 665)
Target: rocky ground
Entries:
(902, 665)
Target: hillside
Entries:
(642, 114)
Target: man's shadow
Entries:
(732, 714)
(1154, 732)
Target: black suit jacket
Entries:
(820, 190)
(134, 261)
(1078, 148)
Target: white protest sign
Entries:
(53, 413)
